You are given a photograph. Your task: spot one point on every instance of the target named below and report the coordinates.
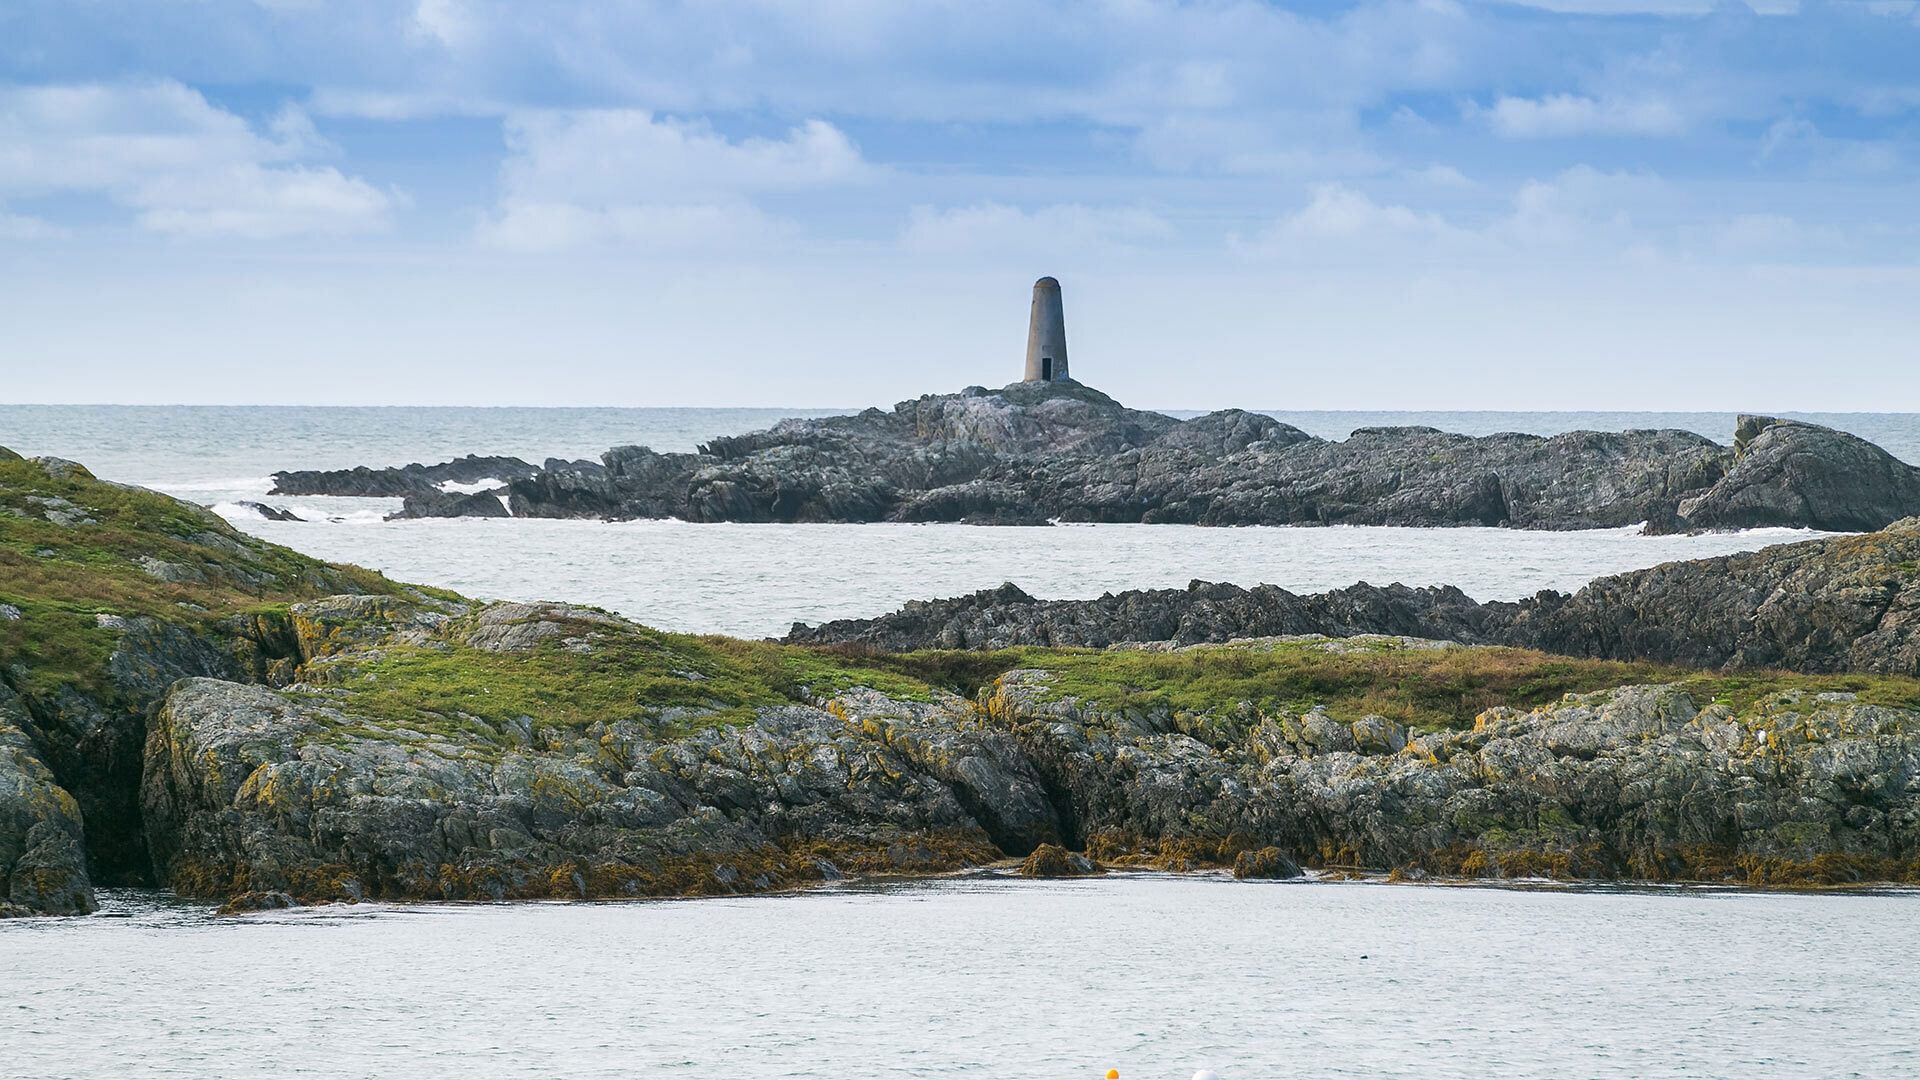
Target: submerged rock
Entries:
(270, 513)
(1054, 861)
(1266, 864)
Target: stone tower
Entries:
(1046, 334)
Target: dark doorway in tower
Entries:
(1046, 369)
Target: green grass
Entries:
(678, 682)
(1422, 688)
(61, 576)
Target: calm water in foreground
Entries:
(1155, 976)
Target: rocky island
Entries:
(187, 706)
(1844, 603)
(1042, 451)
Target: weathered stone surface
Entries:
(446, 504)
(43, 866)
(1054, 861)
(1266, 864)
(1786, 470)
(1848, 603)
(1035, 452)
(270, 513)
(1202, 612)
(414, 479)
(253, 790)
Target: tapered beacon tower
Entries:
(1046, 334)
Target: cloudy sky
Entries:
(1563, 204)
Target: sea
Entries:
(981, 975)
(758, 580)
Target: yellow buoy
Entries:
(1113, 1074)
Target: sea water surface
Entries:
(1154, 976)
(759, 579)
(984, 977)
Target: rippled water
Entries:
(759, 579)
(1151, 975)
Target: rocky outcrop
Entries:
(1054, 861)
(1036, 452)
(43, 866)
(1637, 782)
(448, 504)
(415, 479)
(1785, 470)
(108, 595)
(1847, 603)
(1202, 612)
(270, 513)
(310, 792)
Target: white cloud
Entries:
(1060, 231)
(1340, 220)
(1800, 142)
(547, 227)
(1566, 115)
(624, 175)
(181, 164)
(1581, 211)
(24, 227)
(629, 155)
(1580, 205)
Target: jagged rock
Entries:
(442, 504)
(1054, 861)
(415, 479)
(1848, 603)
(271, 513)
(1786, 472)
(1032, 453)
(1202, 612)
(43, 867)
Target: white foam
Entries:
(455, 487)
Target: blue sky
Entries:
(1410, 204)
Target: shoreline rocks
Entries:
(1031, 453)
(262, 728)
(1845, 603)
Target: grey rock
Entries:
(43, 866)
(270, 513)
(414, 479)
(1787, 472)
(1849, 603)
(441, 504)
(1032, 453)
